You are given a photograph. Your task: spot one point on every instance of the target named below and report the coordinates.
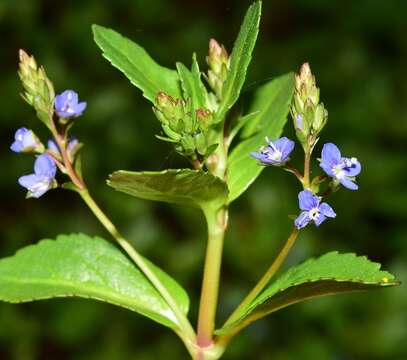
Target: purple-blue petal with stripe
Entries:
(302, 220)
(307, 200)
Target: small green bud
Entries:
(188, 146)
(201, 144)
(320, 118)
(204, 118)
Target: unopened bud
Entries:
(320, 118)
(218, 61)
(38, 89)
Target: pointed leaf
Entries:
(271, 103)
(132, 60)
(192, 86)
(182, 186)
(240, 59)
(87, 267)
(329, 274)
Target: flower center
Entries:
(275, 155)
(313, 213)
(272, 152)
(349, 163)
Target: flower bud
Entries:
(217, 56)
(38, 89)
(305, 84)
(25, 141)
(218, 61)
(320, 118)
(308, 114)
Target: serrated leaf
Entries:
(182, 186)
(192, 86)
(138, 66)
(331, 273)
(271, 103)
(240, 59)
(87, 267)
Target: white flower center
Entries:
(276, 154)
(313, 213)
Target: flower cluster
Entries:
(45, 166)
(310, 116)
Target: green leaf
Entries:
(272, 103)
(132, 60)
(192, 86)
(240, 59)
(87, 267)
(332, 273)
(182, 186)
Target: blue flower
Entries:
(313, 210)
(67, 106)
(26, 141)
(276, 152)
(42, 180)
(340, 168)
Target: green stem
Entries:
(267, 276)
(187, 332)
(217, 223)
(307, 161)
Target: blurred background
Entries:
(358, 51)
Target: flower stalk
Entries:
(278, 261)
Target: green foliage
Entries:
(192, 86)
(81, 266)
(331, 273)
(132, 60)
(270, 107)
(240, 59)
(183, 186)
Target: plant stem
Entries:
(307, 160)
(267, 276)
(186, 328)
(217, 223)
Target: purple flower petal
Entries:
(319, 219)
(257, 155)
(307, 200)
(348, 184)
(81, 108)
(299, 123)
(29, 181)
(353, 167)
(330, 155)
(326, 210)
(52, 146)
(285, 146)
(45, 166)
(302, 220)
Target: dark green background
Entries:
(358, 51)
